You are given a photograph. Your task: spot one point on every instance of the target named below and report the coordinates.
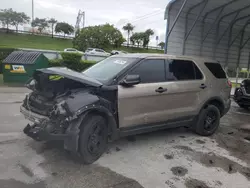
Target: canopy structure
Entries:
(218, 29)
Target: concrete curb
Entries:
(14, 90)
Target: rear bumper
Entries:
(227, 107)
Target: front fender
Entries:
(82, 110)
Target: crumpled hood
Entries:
(70, 74)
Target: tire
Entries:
(205, 126)
(93, 138)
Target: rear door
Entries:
(186, 85)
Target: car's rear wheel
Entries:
(208, 121)
(93, 138)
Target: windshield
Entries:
(89, 49)
(107, 69)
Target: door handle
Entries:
(161, 90)
(203, 86)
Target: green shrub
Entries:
(77, 66)
(71, 56)
(4, 52)
(55, 62)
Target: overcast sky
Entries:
(143, 14)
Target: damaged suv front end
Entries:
(242, 94)
(59, 101)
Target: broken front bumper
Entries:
(241, 97)
(38, 131)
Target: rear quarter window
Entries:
(216, 70)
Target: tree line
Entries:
(9, 17)
(140, 38)
(100, 36)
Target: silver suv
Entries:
(125, 95)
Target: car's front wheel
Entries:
(93, 138)
(208, 121)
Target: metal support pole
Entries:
(230, 37)
(248, 66)
(211, 28)
(192, 27)
(239, 54)
(202, 31)
(205, 17)
(166, 40)
(32, 9)
(227, 28)
(245, 43)
(175, 21)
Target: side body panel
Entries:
(141, 104)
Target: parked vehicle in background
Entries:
(242, 94)
(96, 51)
(116, 52)
(125, 95)
(72, 50)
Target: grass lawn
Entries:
(234, 85)
(48, 43)
(33, 41)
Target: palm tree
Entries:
(162, 45)
(52, 21)
(129, 27)
(149, 32)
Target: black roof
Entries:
(22, 57)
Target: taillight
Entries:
(229, 83)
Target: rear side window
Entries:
(151, 71)
(216, 70)
(181, 70)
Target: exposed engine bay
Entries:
(59, 98)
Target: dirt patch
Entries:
(10, 141)
(231, 133)
(236, 144)
(185, 148)
(26, 170)
(194, 183)
(168, 157)
(170, 184)
(117, 149)
(179, 171)
(200, 141)
(212, 160)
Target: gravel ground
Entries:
(173, 158)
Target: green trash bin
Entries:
(19, 66)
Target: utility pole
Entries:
(32, 10)
(32, 15)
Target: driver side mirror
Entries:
(131, 80)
